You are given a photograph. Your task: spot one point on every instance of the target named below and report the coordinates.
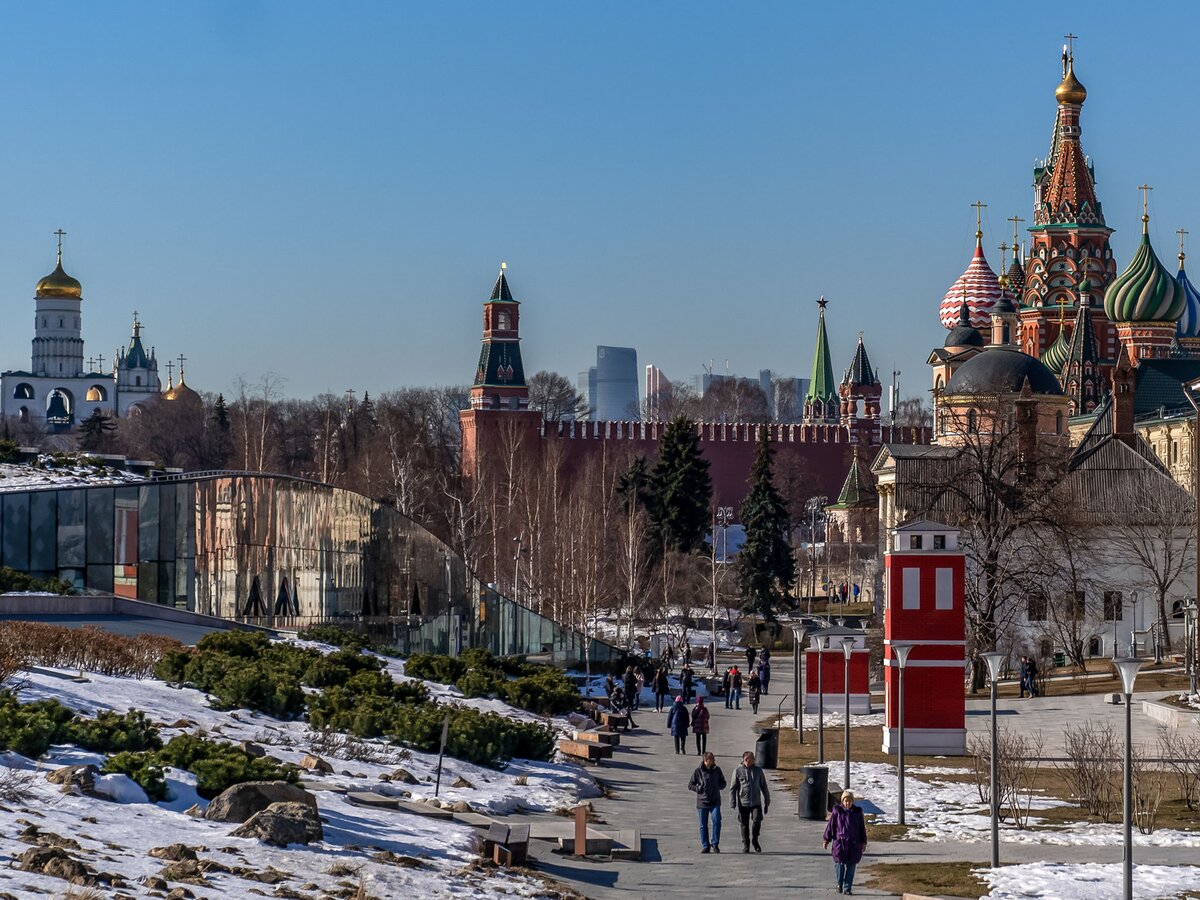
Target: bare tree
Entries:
(912, 412)
(554, 396)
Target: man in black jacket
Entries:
(707, 783)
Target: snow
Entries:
(1087, 881)
(118, 842)
(52, 473)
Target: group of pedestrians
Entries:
(681, 720)
(1029, 674)
(748, 795)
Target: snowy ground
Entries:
(15, 477)
(115, 837)
(1088, 881)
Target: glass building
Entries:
(275, 551)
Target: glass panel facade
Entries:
(279, 552)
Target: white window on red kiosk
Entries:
(943, 596)
(911, 590)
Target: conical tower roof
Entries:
(860, 371)
(1084, 347)
(858, 490)
(500, 291)
(822, 385)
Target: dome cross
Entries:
(1145, 189)
(60, 234)
(1182, 232)
(980, 206)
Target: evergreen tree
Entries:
(220, 435)
(634, 485)
(680, 491)
(94, 431)
(766, 569)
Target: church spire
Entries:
(821, 386)
(500, 376)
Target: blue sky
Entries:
(324, 191)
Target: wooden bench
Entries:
(612, 720)
(507, 845)
(584, 750)
(610, 738)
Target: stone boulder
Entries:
(240, 802)
(173, 852)
(281, 824)
(81, 777)
(315, 764)
(55, 862)
(404, 777)
(252, 749)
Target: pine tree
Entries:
(766, 569)
(680, 491)
(220, 435)
(94, 431)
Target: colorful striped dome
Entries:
(1145, 291)
(978, 287)
(1189, 322)
(1056, 354)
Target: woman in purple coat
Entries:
(847, 831)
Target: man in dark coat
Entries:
(631, 687)
(726, 689)
(686, 680)
(707, 783)
(751, 653)
(678, 720)
(735, 685)
(662, 688)
(751, 798)
(1024, 675)
(1032, 665)
(847, 831)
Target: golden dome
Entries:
(59, 284)
(1070, 91)
(180, 392)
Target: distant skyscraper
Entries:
(612, 384)
(658, 393)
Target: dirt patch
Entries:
(952, 879)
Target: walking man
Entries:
(751, 653)
(725, 688)
(751, 798)
(629, 682)
(735, 681)
(1032, 668)
(662, 687)
(707, 783)
(1024, 675)
(753, 688)
(685, 681)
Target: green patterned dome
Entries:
(1056, 355)
(1145, 291)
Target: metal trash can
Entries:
(766, 749)
(814, 793)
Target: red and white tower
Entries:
(924, 578)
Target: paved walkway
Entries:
(649, 785)
(649, 791)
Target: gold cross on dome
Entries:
(1182, 232)
(1016, 220)
(980, 206)
(1071, 39)
(60, 234)
(1003, 248)
(1145, 189)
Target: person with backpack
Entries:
(847, 831)
(700, 726)
(677, 723)
(662, 688)
(707, 782)
(753, 689)
(735, 681)
(751, 798)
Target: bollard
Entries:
(581, 824)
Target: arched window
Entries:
(972, 421)
(97, 394)
(23, 391)
(1058, 422)
(502, 320)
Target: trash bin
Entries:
(766, 749)
(814, 793)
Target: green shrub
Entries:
(480, 683)
(172, 665)
(255, 685)
(547, 692)
(435, 667)
(111, 733)
(217, 765)
(30, 728)
(323, 673)
(247, 644)
(478, 737)
(143, 769)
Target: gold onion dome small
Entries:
(180, 392)
(1070, 90)
(59, 284)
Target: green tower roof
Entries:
(822, 386)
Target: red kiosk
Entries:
(924, 578)
(825, 671)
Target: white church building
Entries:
(58, 387)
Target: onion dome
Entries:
(1056, 354)
(1145, 291)
(963, 335)
(1189, 322)
(180, 392)
(1070, 90)
(977, 287)
(58, 284)
(1002, 370)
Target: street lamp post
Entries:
(816, 643)
(847, 649)
(900, 654)
(814, 505)
(798, 632)
(1189, 636)
(1128, 669)
(723, 517)
(994, 661)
